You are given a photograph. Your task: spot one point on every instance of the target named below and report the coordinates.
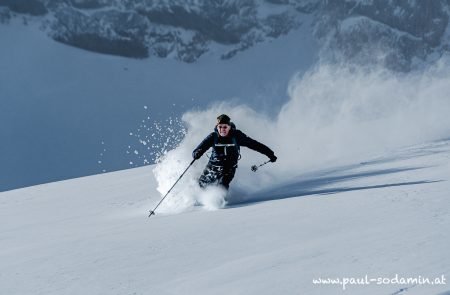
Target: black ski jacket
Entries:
(226, 149)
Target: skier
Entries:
(226, 141)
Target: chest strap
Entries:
(225, 146)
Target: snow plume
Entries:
(335, 116)
(152, 139)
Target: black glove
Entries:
(196, 154)
(273, 158)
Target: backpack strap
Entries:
(237, 146)
(216, 138)
(233, 139)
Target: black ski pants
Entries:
(217, 175)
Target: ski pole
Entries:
(254, 167)
(152, 212)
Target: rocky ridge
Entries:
(397, 34)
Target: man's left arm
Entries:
(256, 145)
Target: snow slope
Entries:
(384, 216)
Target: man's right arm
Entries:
(203, 146)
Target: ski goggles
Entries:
(223, 126)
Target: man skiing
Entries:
(226, 141)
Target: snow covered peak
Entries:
(396, 34)
(391, 33)
(184, 30)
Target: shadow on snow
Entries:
(320, 183)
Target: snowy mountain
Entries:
(373, 224)
(351, 95)
(68, 112)
(398, 34)
(184, 30)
